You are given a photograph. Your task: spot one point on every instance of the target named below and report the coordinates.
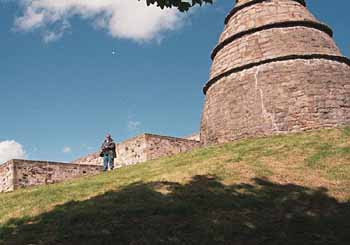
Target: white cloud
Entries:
(130, 19)
(66, 149)
(10, 149)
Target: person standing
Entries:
(108, 153)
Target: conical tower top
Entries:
(261, 30)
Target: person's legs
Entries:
(111, 162)
(105, 162)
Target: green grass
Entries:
(290, 189)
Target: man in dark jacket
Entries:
(108, 153)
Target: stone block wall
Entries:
(270, 44)
(262, 14)
(160, 146)
(143, 148)
(131, 151)
(302, 95)
(7, 177)
(24, 173)
(91, 159)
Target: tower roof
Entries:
(260, 31)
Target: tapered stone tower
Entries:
(275, 69)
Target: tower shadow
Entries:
(203, 211)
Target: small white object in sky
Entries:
(114, 53)
(67, 149)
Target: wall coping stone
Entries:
(170, 137)
(5, 164)
(155, 136)
(16, 161)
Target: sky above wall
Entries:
(73, 70)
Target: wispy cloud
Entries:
(130, 19)
(54, 35)
(10, 149)
(134, 126)
(66, 149)
(87, 147)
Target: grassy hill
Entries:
(291, 189)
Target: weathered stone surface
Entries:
(276, 78)
(259, 101)
(7, 177)
(92, 159)
(160, 146)
(143, 148)
(131, 151)
(270, 44)
(265, 13)
(24, 173)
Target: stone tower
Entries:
(275, 69)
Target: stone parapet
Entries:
(143, 148)
(17, 174)
(161, 146)
(131, 151)
(91, 159)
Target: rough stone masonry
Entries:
(276, 69)
(17, 174)
(143, 148)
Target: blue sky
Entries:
(62, 86)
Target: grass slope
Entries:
(292, 189)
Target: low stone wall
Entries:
(24, 173)
(143, 148)
(132, 151)
(160, 146)
(91, 159)
(7, 177)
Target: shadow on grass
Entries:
(203, 211)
